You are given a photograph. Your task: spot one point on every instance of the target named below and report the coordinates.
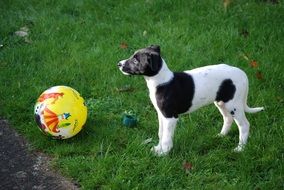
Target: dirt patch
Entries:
(23, 169)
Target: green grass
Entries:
(77, 43)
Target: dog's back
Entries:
(222, 78)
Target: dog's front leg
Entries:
(158, 147)
(166, 133)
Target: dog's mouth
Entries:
(123, 72)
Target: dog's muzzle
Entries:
(121, 65)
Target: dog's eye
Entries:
(135, 61)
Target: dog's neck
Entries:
(163, 76)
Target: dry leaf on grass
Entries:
(187, 167)
(254, 64)
(123, 45)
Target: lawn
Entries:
(78, 44)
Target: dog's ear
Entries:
(156, 48)
(155, 61)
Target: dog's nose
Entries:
(121, 63)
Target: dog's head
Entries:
(146, 61)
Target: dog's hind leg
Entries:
(227, 117)
(243, 126)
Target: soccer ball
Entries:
(60, 112)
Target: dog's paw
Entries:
(239, 148)
(158, 150)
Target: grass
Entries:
(78, 43)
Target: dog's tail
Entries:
(247, 108)
(253, 110)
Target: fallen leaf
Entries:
(253, 64)
(259, 75)
(123, 45)
(187, 167)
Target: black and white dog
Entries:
(175, 93)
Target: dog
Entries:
(176, 93)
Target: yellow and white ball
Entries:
(60, 112)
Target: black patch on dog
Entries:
(226, 91)
(175, 97)
(154, 64)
